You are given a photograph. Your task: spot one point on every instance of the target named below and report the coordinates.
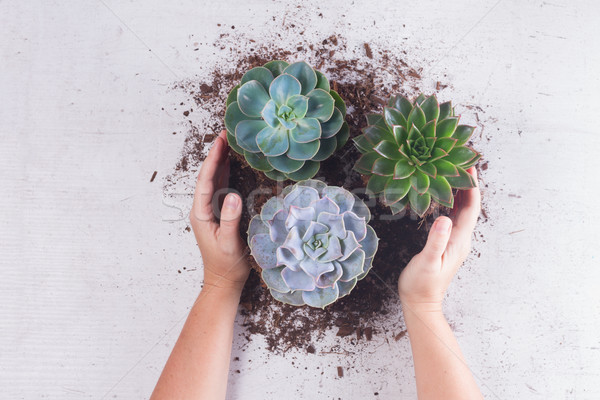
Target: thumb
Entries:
(231, 214)
(437, 239)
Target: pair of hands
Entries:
(422, 284)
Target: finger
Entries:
(231, 214)
(437, 239)
(467, 212)
(205, 185)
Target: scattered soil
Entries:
(364, 84)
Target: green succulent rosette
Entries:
(416, 153)
(285, 119)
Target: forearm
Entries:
(199, 364)
(440, 368)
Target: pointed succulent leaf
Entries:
(431, 108)
(440, 189)
(261, 74)
(362, 144)
(403, 105)
(469, 164)
(400, 134)
(464, 180)
(339, 103)
(403, 169)
(333, 125)
(395, 190)
(420, 99)
(416, 118)
(399, 205)
(445, 143)
(305, 75)
(419, 182)
(276, 67)
(376, 119)
(462, 134)
(393, 117)
(366, 161)
(461, 155)
(320, 105)
(419, 202)
(428, 131)
(388, 150)
(252, 98)
(445, 168)
(322, 81)
(383, 166)
(445, 111)
(377, 183)
(375, 134)
(436, 154)
(446, 127)
(428, 169)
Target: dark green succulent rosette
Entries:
(285, 119)
(416, 153)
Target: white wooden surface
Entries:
(90, 298)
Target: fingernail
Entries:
(443, 225)
(231, 201)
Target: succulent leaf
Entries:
(415, 152)
(260, 74)
(252, 98)
(320, 105)
(305, 75)
(276, 67)
(313, 243)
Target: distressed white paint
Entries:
(90, 298)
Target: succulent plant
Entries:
(284, 119)
(313, 243)
(415, 153)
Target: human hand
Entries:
(424, 281)
(223, 251)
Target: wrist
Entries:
(421, 307)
